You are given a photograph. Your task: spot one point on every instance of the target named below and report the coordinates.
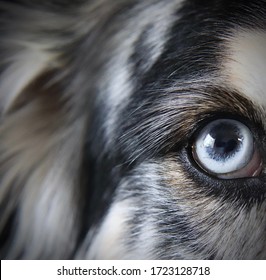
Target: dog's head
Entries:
(133, 130)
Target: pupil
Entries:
(225, 145)
(225, 141)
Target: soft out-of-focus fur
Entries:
(99, 104)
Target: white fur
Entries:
(108, 243)
(245, 64)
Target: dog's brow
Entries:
(173, 116)
(193, 106)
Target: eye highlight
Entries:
(225, 148)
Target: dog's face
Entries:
(133, 130)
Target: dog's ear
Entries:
(32, 121)
(40, 153)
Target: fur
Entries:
(100, 104)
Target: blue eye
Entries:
(225, 148)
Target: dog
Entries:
(132, 129)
